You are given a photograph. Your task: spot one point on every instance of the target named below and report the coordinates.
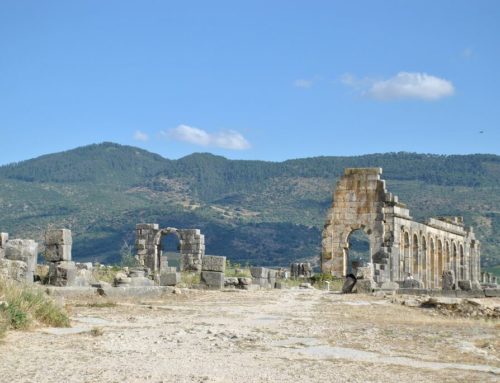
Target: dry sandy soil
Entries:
(259, 336)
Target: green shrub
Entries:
(23, 306)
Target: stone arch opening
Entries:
(358, 251)
(462, 262)
(161, 254)
(454, 259)
(432, 256)
(406, 255)
(447, 259)
(169, 252)
(426, 262)
(415, 256)
(439, 262)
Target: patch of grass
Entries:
(96, 331)
(237, 272)
(190, 279)
(23, 307)
(105, 274)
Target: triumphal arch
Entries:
(399, 246)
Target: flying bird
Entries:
(481, 131)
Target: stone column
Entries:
(144, 243)
(23, 250)
(58, 244)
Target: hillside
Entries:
(251, 211)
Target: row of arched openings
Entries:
(427, 258)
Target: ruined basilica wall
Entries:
(426, 251)
(399, 245)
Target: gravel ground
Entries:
(259, 336)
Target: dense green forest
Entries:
(255, 212)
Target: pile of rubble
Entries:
(449, 306)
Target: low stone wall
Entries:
(264, 277)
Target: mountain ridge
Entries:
(101, 190)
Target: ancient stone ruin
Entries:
(18, 258)
(148, 238)
(300, 270)
(401, 249)
(62, 270)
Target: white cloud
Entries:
(228, 139)
(404, 85)
(140, 136)
(303, 83)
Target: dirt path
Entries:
(263, 336)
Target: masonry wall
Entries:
(149, 252)
(399, 246)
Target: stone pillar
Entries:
(212, 274)
(58, 244)
(192, 249)
(144, 243)
(4, 237)
(23, 250)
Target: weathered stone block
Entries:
(4, 237)
(16, 270)
(58, 237)
(169, 278)
(448, 280)
(25, 250)
(465, 285)
(272, 274)
(243, 281)
(62, 273)
(83, 277)
(365, 286)
(492, 292)
(259, 272)
(141, 281)
(411, 283)
(57, 253)
(138, 272)
(231, 281)
(476, 285)
(389, 286)
(213, 263)
(212, 279)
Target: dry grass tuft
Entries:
(23, 306)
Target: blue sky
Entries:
(268, 80)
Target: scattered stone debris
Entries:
(450, 306)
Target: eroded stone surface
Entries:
(148, 238)
(399, 246)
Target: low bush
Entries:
(22, 307)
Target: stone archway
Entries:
(160, 260)
(148, 244)
(398, 244)
(363, 257)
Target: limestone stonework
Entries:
(148, 238)
(399, 246)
